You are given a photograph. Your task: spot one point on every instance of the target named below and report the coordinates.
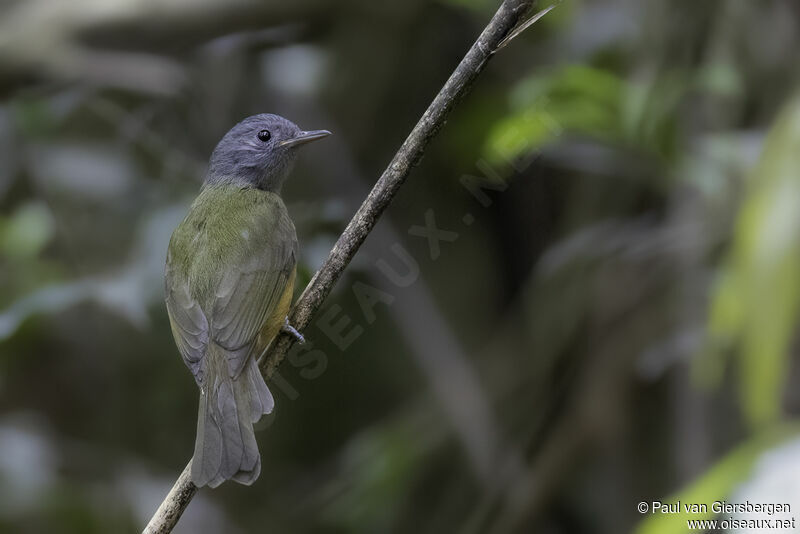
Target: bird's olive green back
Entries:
(227, 268)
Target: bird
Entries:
(229, 279)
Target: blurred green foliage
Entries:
(26, 232)
(579, 99)
(716, 484)
(754, 311)
(616, 324)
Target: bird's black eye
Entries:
(264, 135)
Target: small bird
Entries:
(229, 278)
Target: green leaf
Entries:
(577, 99)
(721, 78)
(754, 309)
(716, 484)
(27, 232)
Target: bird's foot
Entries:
(292, 331)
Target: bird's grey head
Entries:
(259, 152)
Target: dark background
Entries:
(617, 324)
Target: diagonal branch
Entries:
(510, 15)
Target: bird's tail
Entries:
(226, 447)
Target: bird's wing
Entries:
(249, 292)
(186, 318)
(250, 272)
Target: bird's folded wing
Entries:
(187, 320)
(246, 296)
(252, 269)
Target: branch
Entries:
(511, 15)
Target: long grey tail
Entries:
(226, 446)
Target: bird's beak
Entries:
(305, 137)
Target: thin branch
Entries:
(511, 14)
(173, 506)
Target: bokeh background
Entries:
(612, 319)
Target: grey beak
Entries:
(305, 137)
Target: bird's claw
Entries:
(292, 331)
